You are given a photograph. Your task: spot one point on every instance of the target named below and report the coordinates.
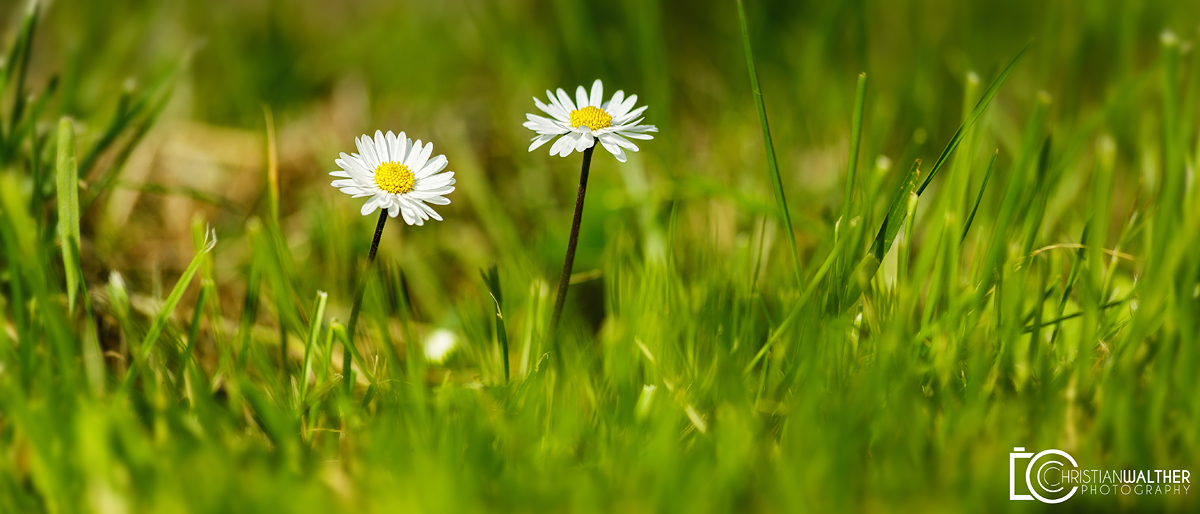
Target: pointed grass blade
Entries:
(491, 277)
(67, 173)
(860, 95)
(314, 333)
(772, 162)
(19, 59)
(979, 198)
(164, 314)
(971, 119)
(896, 213)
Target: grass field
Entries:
(774, 306)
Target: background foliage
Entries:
(1042, 292)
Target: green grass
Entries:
(864, 306)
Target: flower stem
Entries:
(347, 357)
(565, 279)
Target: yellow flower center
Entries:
(590, 117)
(394, 178)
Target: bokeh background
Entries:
(682, 255)
(462, 74)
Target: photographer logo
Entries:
(1053, 476)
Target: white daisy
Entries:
(586, 120)
(397, 175)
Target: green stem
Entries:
(347, 356)
(565, 279)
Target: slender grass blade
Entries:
(67, 180)
(772, 162)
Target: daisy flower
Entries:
(580, 124)
(396, 175)
(588, 119)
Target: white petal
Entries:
(366, 148)
(614, 149)
(636, 132)
(421, 157)
(620, 141)
(432, 166)
(405, 145)
(427, 210)
(431, 199)
(616, 100)
(555, 103)
(430, 194)
(408, 216)
(443, 190)
(553, 110)
(416, 207)
(381, 147)
(634, 127)
(540, 140)
(585, 141)
(370, 206)
(435, 181)
(567, 142)
(539, 120)
(438, 179)
(620, 120)
(340, 174)
(419, 215)
(597, 93)
(568, 148)
(618, 111)
(425, 190)
(353, 165)
(581, 97)
(413, 153)
(393, 147)
(546, 127)
(565, 101)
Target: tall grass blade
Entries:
(310, 342)
(108, 176)
(160, 321)
(971, 119)
(340, 332)
(28, 280)
(491, 277)
(150, 102)
(28, 126)
(19, 60)
(272, 167)
(772, 162)
(193, 334)
(896, 212)
(67, 180)
(860, 96)
(979, 198)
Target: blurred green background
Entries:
(461, 74)
(665, 394)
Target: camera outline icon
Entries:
(1020, 453)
